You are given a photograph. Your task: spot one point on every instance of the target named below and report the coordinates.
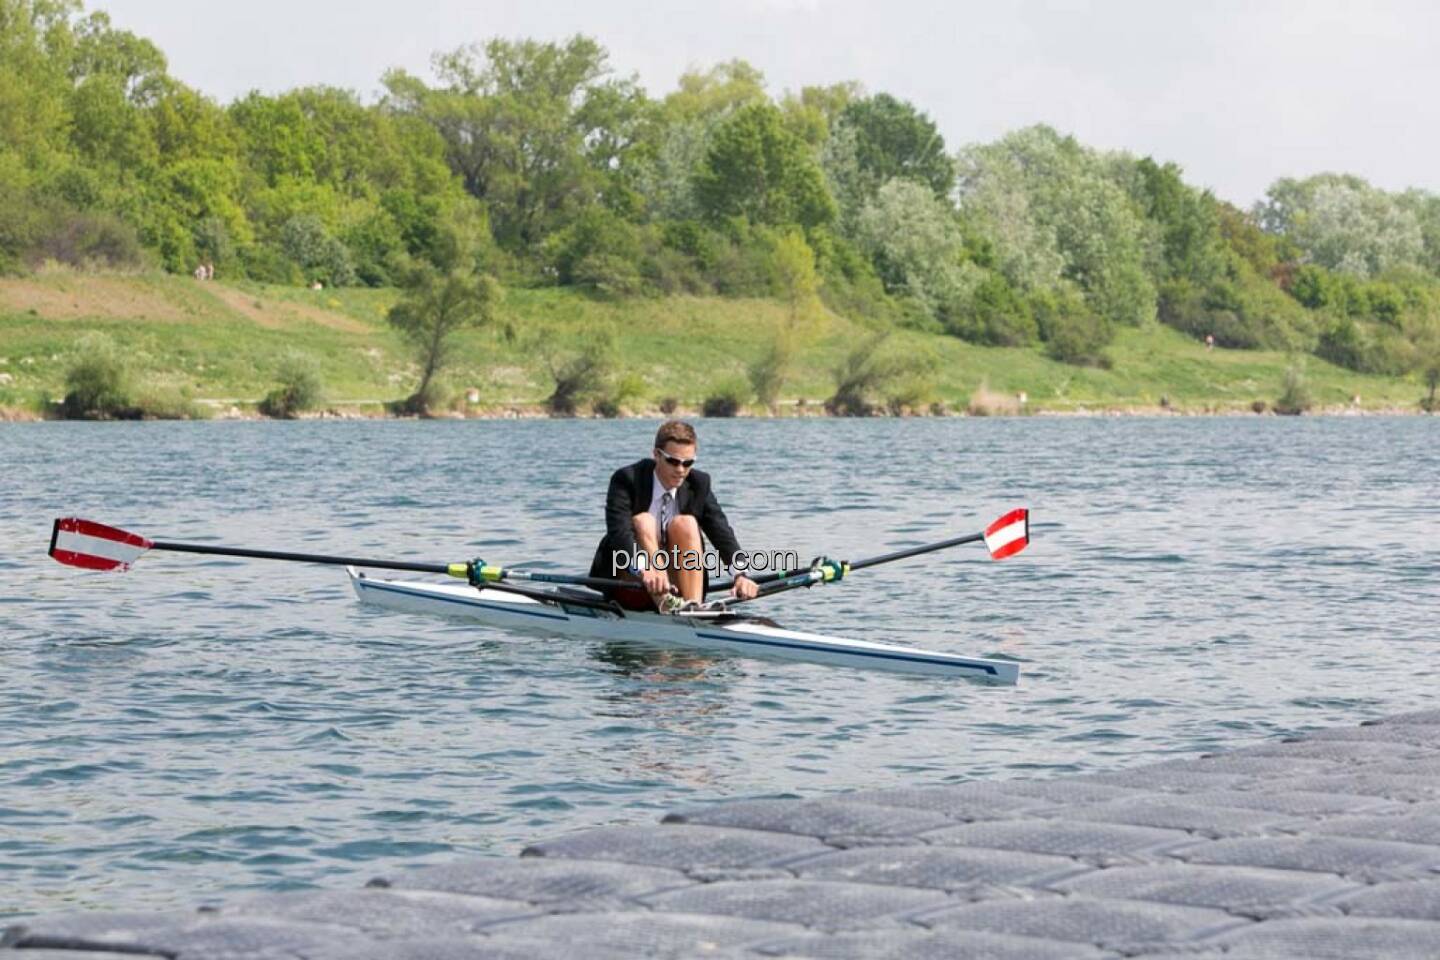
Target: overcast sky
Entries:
(1237, 93)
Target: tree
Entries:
(1343, 223)
(894, 140)
(917, 246)
(515, 124)
(757, 169)
(436, 307)
(1070, 208)
(799, 286)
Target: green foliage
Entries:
(435, 308)
(299, 387)
(599, 252)
(1295, 395)
(768, 373)
(727, 401)
(995, 314)
(1071, 331)
(877, 374)
(894, 140)
(321, 257)
(1056, 209)
(758, 170)
(917, 247)
(1344, 224)
(97, 383)
(581, 375)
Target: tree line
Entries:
(535, 163)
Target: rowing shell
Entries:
(731, 633)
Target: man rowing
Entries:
(658, 512)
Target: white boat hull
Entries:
(739, 637)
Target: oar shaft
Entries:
(301, 557)
(915, 551)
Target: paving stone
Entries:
(1343, 939)
(1093, 842)
(1117, 924)
(815, 818)
(384, 914)
(941, 868)
(537, 880)
(1412, 828)
(960, 802)
(1338, 751)
(931, 945)
(813, 903)
(1262, 768)
(686, 847)
(1344, 861)
(114, 925)
(1297, 803)
(1179, 813)
(72, 955)
(1148, 780)
(1418, 717)
(1064, 790)
(471, 948)
(1246, 891)
(1419, 900)
(1369, 860)
(647, 934)
(1420, 735)
(1412, 767)
(201, 936)
(1402, 786)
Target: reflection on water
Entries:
(201, 725)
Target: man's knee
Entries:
(683, 529)
(644, 524)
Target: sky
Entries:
(1237, 93)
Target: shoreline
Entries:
(519, 411)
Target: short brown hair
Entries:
(676, 431)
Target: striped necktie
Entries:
(667, 513)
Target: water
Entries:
(200, 726)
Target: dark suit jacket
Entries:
(632, 488)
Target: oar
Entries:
(95, 546)
(1006, 537)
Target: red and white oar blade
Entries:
(94, 546)
(1008, 535)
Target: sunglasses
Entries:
(676, 461)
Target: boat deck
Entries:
(1322, 847)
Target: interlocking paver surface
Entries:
(1326, 846)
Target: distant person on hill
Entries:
(1209, 341)
(656, 510)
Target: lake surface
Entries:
(199, 726)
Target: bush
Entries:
(985, 402)
(994, 314)
(1071, 331)
(607, 275)
(874, 373)
(88, 239)
(97, 385)
(581, 377)
(161, 403)
(1295, 397)
(768, 373)
(318, 255)
(299, 388)
(727, 401)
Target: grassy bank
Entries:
(219, 345)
